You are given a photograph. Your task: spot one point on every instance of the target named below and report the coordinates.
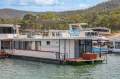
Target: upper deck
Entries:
(75, 31)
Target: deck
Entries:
(77, 61)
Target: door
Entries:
(5, 44)
(82, 46)
(77, 49)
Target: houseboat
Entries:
(59, 46)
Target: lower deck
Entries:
(58, 50)
(70, 61)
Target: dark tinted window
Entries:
(48, 42)
(6, 30)
(101, 30)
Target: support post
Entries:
(59, 49)
(0, 45)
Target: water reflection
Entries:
(21, 69)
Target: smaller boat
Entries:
(115, 45)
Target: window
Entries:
(6, 30)
(101, 30)
(48, 42)
(58, 34)
(16, 44)
(37, 45)
(91, 34)
(53, 34)
(26, 45)
(40, 43)
(22, 45)
(117, 45)
(5, 45)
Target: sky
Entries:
(48, 5)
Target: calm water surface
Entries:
(21, 69)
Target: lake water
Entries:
(21, 69)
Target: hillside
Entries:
(105, 6)
(12, 13)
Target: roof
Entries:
(57, 30)
(115, 39)
(101, 28)
(9, 25)
(63, 38)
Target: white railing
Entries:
(7, 36)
